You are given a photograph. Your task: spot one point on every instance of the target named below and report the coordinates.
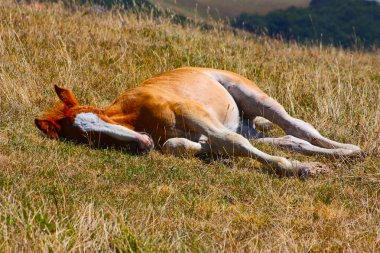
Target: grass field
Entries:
(222, 9)
(61, 197)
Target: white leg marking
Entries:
(183, 146)
(90, 122)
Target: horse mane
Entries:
(57, 112)
(60, 111)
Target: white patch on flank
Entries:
(90, 122)
(232, 120)
(232, 117)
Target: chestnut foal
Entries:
(193, 111)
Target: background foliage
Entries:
(346, 23)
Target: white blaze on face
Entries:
(90, 122)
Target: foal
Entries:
(192, 110)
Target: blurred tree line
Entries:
(345, 23)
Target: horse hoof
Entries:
(303, 172)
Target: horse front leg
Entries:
(224, 141)
(183, 146)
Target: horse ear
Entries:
(66, 96)
(49, 127)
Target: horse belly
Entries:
(217, 100)
(182, 86)
(230, 115)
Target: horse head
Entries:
(86, 124)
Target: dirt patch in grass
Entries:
(3, 139)
(5, 162)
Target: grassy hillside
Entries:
(61, 197)
(222, 9)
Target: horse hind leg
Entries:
(304, 147)
(254, 102)
(271, 109)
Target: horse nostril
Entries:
(146, 143)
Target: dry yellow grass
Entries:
(60, 197)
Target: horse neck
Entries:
(121, 117)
